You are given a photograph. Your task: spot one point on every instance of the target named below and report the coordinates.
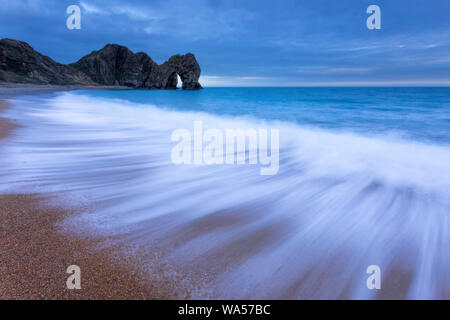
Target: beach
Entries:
(88, 180)
(35, 253)
(5, 125)
(224, 150)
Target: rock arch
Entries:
(187, 67)
(117, 65)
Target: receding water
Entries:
(364, 179)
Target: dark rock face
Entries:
(21, 63)
(112, 65)
(117, 65)
(186, 67)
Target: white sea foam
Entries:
(339, 203)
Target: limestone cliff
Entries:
(22, 64)
(117, 65)
(112, 65)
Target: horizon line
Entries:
(355, 85)
(219, 81)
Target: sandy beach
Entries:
(35, 254)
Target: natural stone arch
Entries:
(117, 65)
(187, 67)
(172, 81)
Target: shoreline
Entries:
(16, 85)
(35, 253)
(6, 126)
(10, 90)
(162, 257)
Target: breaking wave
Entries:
(339, 203)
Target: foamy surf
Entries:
(339, 203)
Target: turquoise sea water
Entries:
(364, 179)
(417, 113)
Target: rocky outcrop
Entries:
(117, 65)
(185, 66)
(20, 63)
(113, 65)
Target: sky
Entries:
(253, 43)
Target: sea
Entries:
(363, 181)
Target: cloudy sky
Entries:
(253, 43)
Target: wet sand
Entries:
(6, 126)
(35, 254)
(8, 90)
